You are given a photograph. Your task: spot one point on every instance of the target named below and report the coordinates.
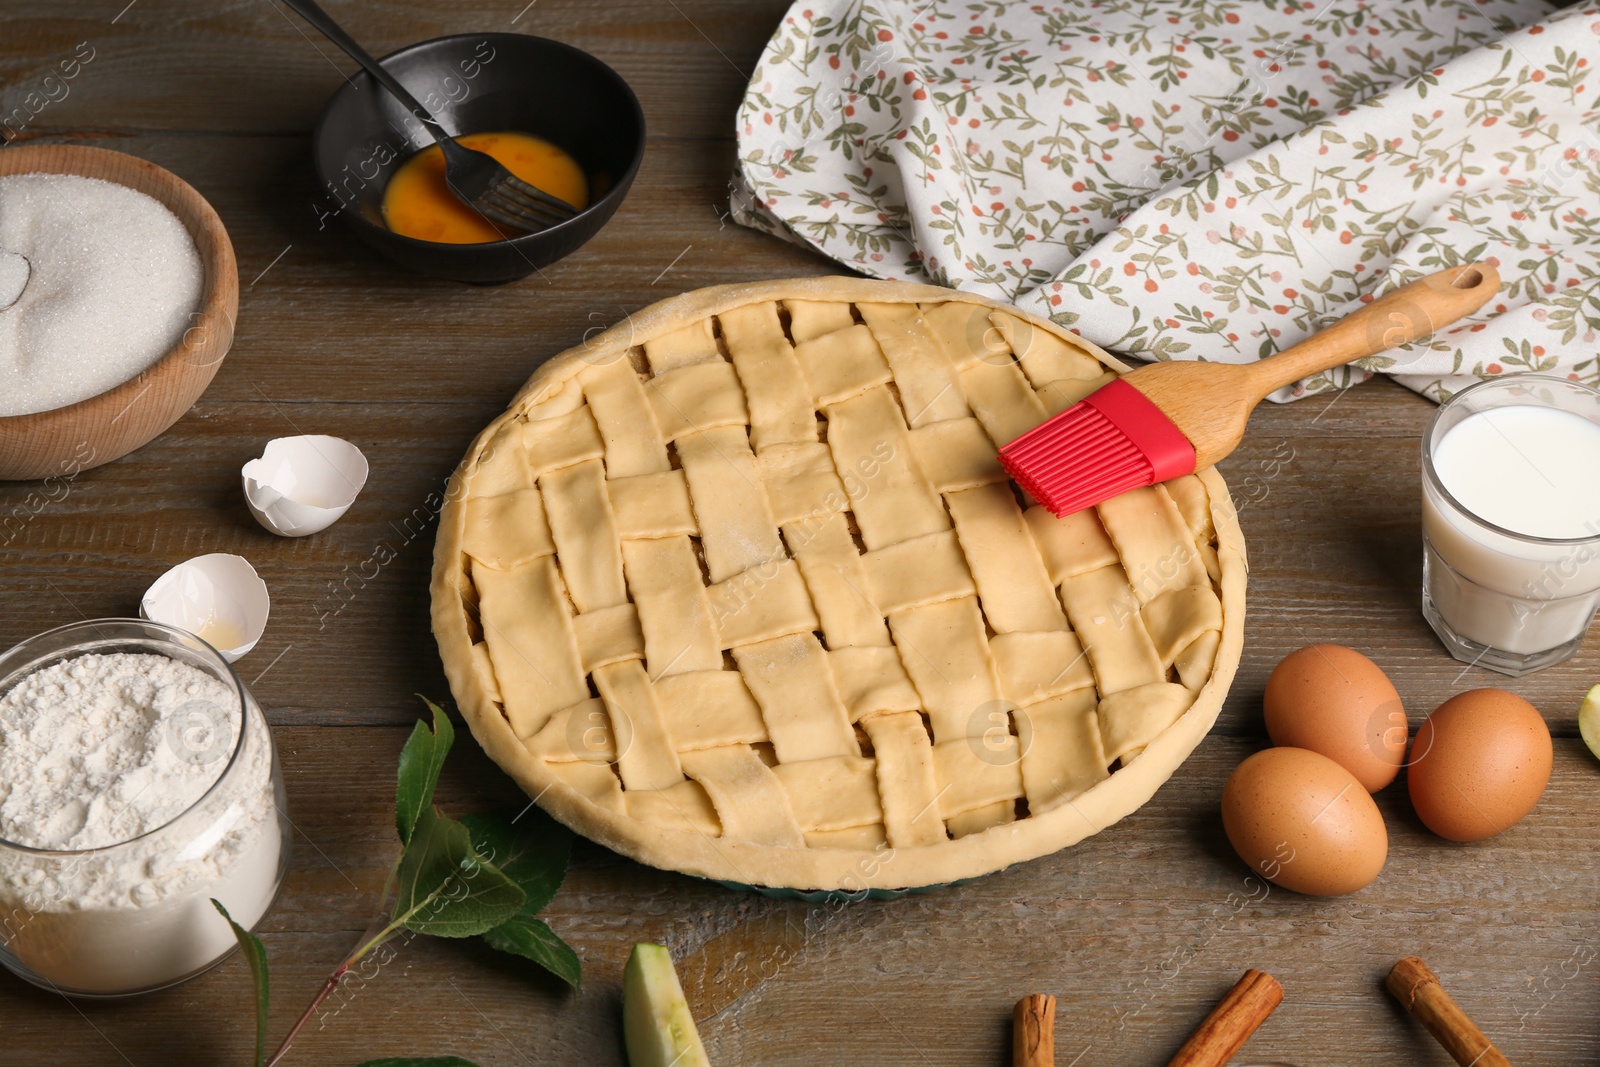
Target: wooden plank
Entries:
(1137, 930)
(253, 66)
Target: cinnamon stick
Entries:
(1033, 1034)
(1418, 990)
(1231, 1022)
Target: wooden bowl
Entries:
(67, 440)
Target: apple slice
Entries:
(656, 1025)
(1589, 720)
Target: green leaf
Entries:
(419, 1061)
(255, 954)
(446, 889)
(420, 763)
(524, 935)
(531, 849)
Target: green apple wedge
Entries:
(1589, 720)
(656, 1025)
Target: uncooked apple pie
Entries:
(739, 588)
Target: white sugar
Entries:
(114, 278)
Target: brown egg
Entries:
(1333, 700)
(1302, 821)
(1479, 764)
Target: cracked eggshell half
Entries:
(301, 485)
(218, 598)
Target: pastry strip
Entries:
(977, 771)
(1105, 615)
(1132, 718)
(633, 444)
(750, 800)
(709, 709)
(889, 495)
(957, 454)
(1072, 545)
(694, 343)
(579, 732)
(502, 467)
(651, 505)
(1154, 541)
(1013, 586)
(1062, 754)
(685, 806)
(1000, 397)
(701, 396)
(837, 582)
(800, 481)
(1062, 393)
(927, 381)
(766, 601)
(833, 793)
(595, 782)
(1177, 619)
(608, 635)
(862, 838)
(813, 318)
(977, 820)
(673, 613)
(966, 333)
(843, 364)
(737, 530)
(585, 533)
(550, 444)
(508, 530)
(906, 785)
(790, 679)
(872, 680)
(528, 629)
(1044, 356)
(923, 570)
(1035, 666)
(774, 387)
(645, 756)
(946, 653)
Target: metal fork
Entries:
(478, 179)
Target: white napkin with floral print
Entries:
(1200, 179)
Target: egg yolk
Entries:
(417, 202)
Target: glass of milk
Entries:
(1511, 521)
(131, 913)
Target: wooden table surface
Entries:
(1138, 931)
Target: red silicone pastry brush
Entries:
(1168, 419)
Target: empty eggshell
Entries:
(301, 485)
(218, 598)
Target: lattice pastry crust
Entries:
(738, 588)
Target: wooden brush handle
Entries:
(1418, 990)
(1231, 1022)
(1396, 317)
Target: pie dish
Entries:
(738, 588)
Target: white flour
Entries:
(101, 750)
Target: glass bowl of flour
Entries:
(138, 781)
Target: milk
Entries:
(1513, 561)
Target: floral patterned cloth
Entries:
(1200, 179)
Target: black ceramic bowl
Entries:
(479, 83)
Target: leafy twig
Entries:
(478, 876)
